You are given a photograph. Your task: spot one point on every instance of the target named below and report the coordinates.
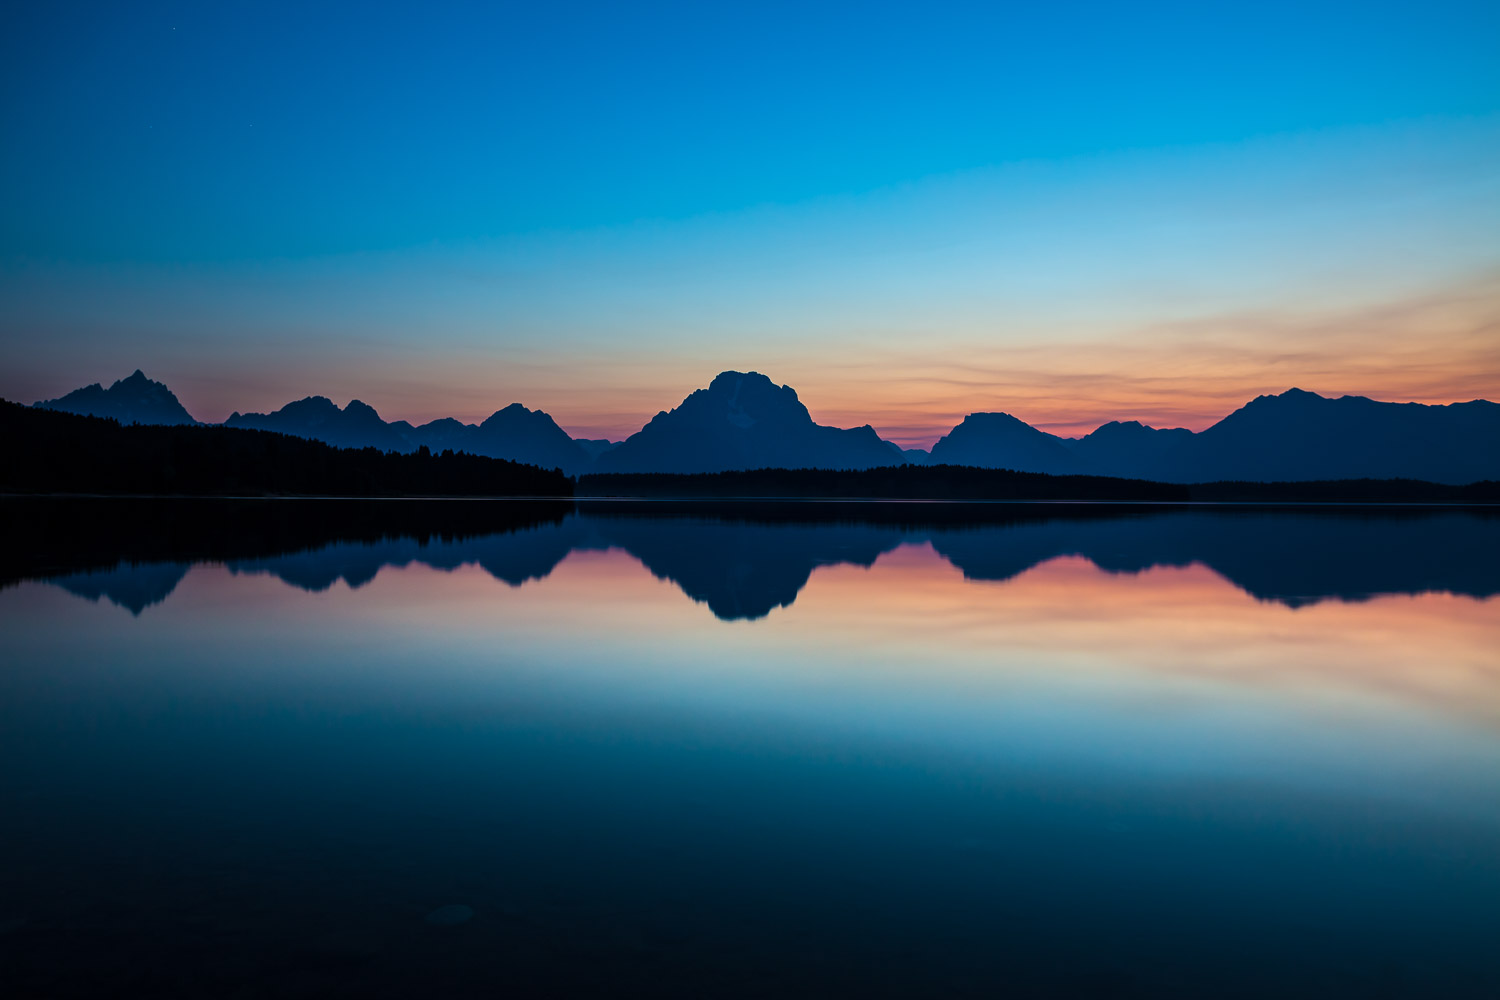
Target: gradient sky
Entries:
(1071, 212)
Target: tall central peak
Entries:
(750, 397)
(733, 383)
(743, 420)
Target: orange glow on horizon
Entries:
(914, 386)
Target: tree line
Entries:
(47, 451)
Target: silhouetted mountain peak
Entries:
(1291, 397)
(732, 383)
(1299, 435)
(743, 420)
(133, 399)
(308, 407)
(444, 424)
(1120, 431)
(996, 419)
(530, 436)
(749, 398)
(509, 415)
(361, 410)
(1000, 441)
(515, 417)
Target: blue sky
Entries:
(596, 207)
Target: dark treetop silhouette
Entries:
(744, 560)
(47, 452)
(745, 421)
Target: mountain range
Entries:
(514, 432)
(743, 420)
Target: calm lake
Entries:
(460, 748)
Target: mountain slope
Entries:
(1000, 441)
(318, 418)
(744, 421)
(1130, 448)
(514, 433)
(533, 437)
(133, 400)
(596, 446)
(1300, 435)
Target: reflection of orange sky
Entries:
(1166, 629)
(1064, 673)
(1431, 649)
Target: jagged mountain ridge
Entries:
(513, 432)
(1289, 437)
(1302, 435)
(131, 400)
(743, 420)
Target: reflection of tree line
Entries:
(743, 561)
(963, 482)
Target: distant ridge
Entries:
(514, 433)
(1130, 448)
(1001, 441)
(744, 420)
(320, 419)
(1290, 437)
(1302, 435)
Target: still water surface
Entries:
(750, 752)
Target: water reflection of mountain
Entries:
(136, 586)
(744, 561)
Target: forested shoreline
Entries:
(45, 451)
(51, 452)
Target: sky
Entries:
(1069, 212)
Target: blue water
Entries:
(651, 750)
